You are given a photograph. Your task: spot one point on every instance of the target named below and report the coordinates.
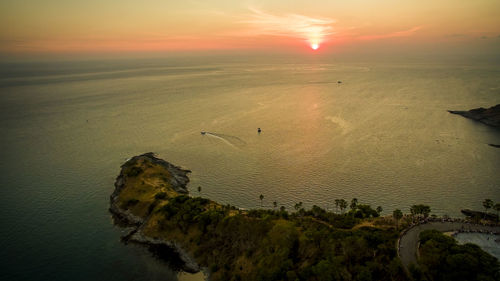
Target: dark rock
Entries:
(489, 116)
(471, 213)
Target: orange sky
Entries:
(67, 26)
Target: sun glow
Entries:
(314, 46)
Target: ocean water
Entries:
(488, 242)
(383, 135)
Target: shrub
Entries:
(131, 202)
(161, 195)
(134, 171)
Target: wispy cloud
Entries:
(403, 33)
(311, 29)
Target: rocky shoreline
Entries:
(125, 217)
(489, 116)
(479, 214)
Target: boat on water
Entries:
(203, 132)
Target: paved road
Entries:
(408, 242)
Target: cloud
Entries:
(311, 29)
(403, 33)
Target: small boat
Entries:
(203, 132)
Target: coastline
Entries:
(408, 242)
(125, 217)
(221, 240)
(488, 116)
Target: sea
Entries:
(378, 131)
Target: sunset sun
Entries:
(314, 46)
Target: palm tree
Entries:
(379, 210)
(426, 210)
(199, 189)
(354, 203)
(275, 204)
(343, 205)
(337, 203)
(261, 197)
(297, 206)
(397, 215)
(487, 204)
(414, 210)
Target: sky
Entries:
(329, 26)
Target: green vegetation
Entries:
(134, 171)
(419, 211)
(262, 244)
(441, 258)
(161, 195)
(341, 203)
(487, 204)
(307, 244)
(397, 215)
(497, 208)
(276, 245)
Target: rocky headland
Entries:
(142, 182)
(489, 116)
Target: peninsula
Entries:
(227, 243)
(489, 116)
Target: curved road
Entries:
(408, 242)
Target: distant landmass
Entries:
(489, 116)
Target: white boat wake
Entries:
(227, 139)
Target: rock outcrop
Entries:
(489, 116)
(126, 215)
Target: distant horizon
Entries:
(238, 55)
(30, 29)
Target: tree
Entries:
(442, 258)
(379, 210)
(297, 206)
(497, 208)
(261, 197)
(425, 210)
(487, 204)
(354, 203)
(275, 204)
(397, 215)
(417, 210)
(343, 205)
(337, 204)
(413, 210)
(199, 189)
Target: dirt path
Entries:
(408, 242)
